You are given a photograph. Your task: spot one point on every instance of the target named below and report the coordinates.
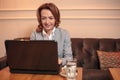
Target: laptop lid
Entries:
(32, 56)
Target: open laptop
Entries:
(32, 56)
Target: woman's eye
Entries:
(43, 18)
(51, 18)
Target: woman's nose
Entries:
(47, 20)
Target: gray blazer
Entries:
(63, 40)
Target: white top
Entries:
(48, 37)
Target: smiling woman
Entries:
(49, 18)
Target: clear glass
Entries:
(71, 70)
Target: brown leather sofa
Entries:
(85, 50)
(3, 62)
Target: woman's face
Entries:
(47, 19)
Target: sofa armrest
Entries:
(3, 62)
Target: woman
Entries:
(49, 18)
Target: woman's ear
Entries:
(39, 28)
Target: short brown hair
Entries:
(54, 10)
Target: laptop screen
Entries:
(32, 55)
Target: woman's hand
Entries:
(59, 61)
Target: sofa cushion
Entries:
(109, 59)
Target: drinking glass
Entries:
(71, 70)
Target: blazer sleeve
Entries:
(67, 50)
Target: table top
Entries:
(115, 72)
(6, 75)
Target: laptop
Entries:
(32, 56)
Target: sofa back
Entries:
(84, 49)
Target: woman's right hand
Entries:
(59, 61)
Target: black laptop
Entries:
(32, 56)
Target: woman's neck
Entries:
(48, 32)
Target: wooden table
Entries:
(6, 75)
(115, 72)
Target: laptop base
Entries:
(25, 71)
